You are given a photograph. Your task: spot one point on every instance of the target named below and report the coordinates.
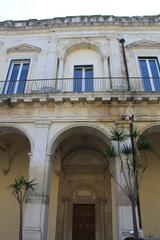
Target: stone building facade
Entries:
(64, 83)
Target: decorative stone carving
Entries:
(23, 48)
(84, 187)
(143, 44)
(80, 21)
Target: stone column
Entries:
(106, 81)
(115, 168)
(51, 58)
(65, 222)
(102, 210)
(124, 214)
(36, 208)
(60, 73)
(118, 80)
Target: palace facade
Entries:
(64, 83)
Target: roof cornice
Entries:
(93, 20)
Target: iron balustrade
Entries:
(70, 85)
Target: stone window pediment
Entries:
(143, 44)
(23, 48)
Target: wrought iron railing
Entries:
(70, 85)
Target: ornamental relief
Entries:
(84, 188)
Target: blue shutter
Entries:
(13, 78)
(89, 79)
(77, 82)
(145, 75)
(23, 78)
(155, 74)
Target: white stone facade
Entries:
(68, 131)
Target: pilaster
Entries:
(60, 73)
(124, 209)
(36, 209)
(106, 72)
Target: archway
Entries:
(83, 69)
(14, 161)
(84, 179)
(150, 190)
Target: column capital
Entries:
(61, 57)
(50, 155)
(104, 56)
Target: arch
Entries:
(150, 180)
(81, 44)
(15, 142)
(149, 127)
(80, 184)
(88, 150)
(102, 133)
(21, 130)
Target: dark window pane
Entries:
(13, 78)
(89, 79)
(145, 75)
(155, 73)
(77, 82)
(23, 78)
(83, 78)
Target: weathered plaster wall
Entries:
(9, 220)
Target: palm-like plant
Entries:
(132, 168)
(19, 189)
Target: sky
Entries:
(42, 9)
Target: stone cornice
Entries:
(89, 98)
(94, 20)
(23, 48)
(143, 44)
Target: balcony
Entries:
(68, 87)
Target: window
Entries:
(17, 76)
(83, 78)
(150, 73)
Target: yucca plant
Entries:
(128, 148)
(19, 188)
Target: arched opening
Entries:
(150, 190)
(14, 161)
(82, 68)
(81, 184)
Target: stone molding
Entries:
(84, 188)
(23, 48)
(38, 198)
(80, 43)
(143, 44)
(59, 98)
(93, 20)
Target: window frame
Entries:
(84, 78)
(151, 77)
(10, 70)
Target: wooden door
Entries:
(83, 227)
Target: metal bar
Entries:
(100, 84)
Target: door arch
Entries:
(82, 168)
